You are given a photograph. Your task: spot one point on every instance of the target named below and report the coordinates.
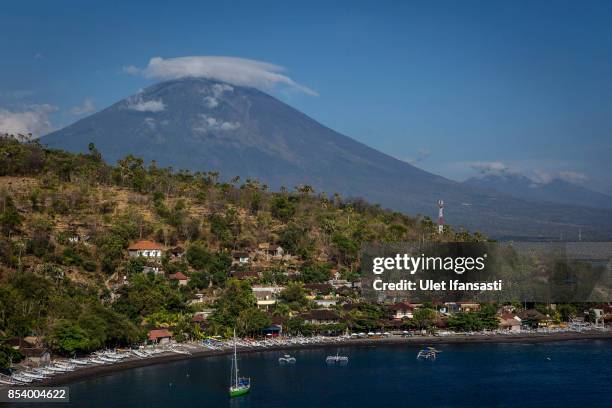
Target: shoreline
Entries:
(103, 370)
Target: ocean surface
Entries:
(561, 374)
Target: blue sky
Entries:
(454, 87)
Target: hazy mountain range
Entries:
(201, 124)
(555, 190)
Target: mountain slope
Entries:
(199, 124)
(556, 191)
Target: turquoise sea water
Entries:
(563, 374)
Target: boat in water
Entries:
(239, 385)
(428, 353)
(287, 359)
(337, 359)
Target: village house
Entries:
(509, 321)
(325, 303)
(455, 307)
(241, 257)
(159, 336)
(267, 288)
(271, 250)
(180, 277)
(321, 316)
(36, 356)
(319, 290)
(31, 348)
(275, 328)
(266, 295)
(199, 318)
(265, 299)
(401, 310)
(469, 306)
(533, 317)
(147, 249)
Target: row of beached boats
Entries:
(30, 375)
(213, 343)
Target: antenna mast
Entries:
(440, 216)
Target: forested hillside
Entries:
(67, 221)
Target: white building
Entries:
(146, 249)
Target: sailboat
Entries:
(239, 385)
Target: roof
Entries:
(178, 276)
(508, 315)
(401, 306)
(198, 318)
(159, 334)
(145, 245)
(532, 314)
(323, 288)
(321, 314)
(347, 307)
(240, 254)
(509, 322)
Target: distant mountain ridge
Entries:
(201, 124)
(555, 191)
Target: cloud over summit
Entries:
(237, 71)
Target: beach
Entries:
(162, 358)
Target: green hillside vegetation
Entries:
(66, 221)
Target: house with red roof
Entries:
(160, 336)
(401, 310)
(147, 249)
(180, 277)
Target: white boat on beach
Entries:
(79, 362)
(34, 376)
(140, 354)
(8, 380)
(21, 378)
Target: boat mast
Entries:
(235, 358)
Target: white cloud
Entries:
(211, 102)
(212, 123)
(35, 121)
(217, 90)
(493, 167)
(150, 124)
(220, 89)
(136, 103)
(237, 71)
(87, 107)
(574, 177)
(537, 177)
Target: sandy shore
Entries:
(97, 371)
